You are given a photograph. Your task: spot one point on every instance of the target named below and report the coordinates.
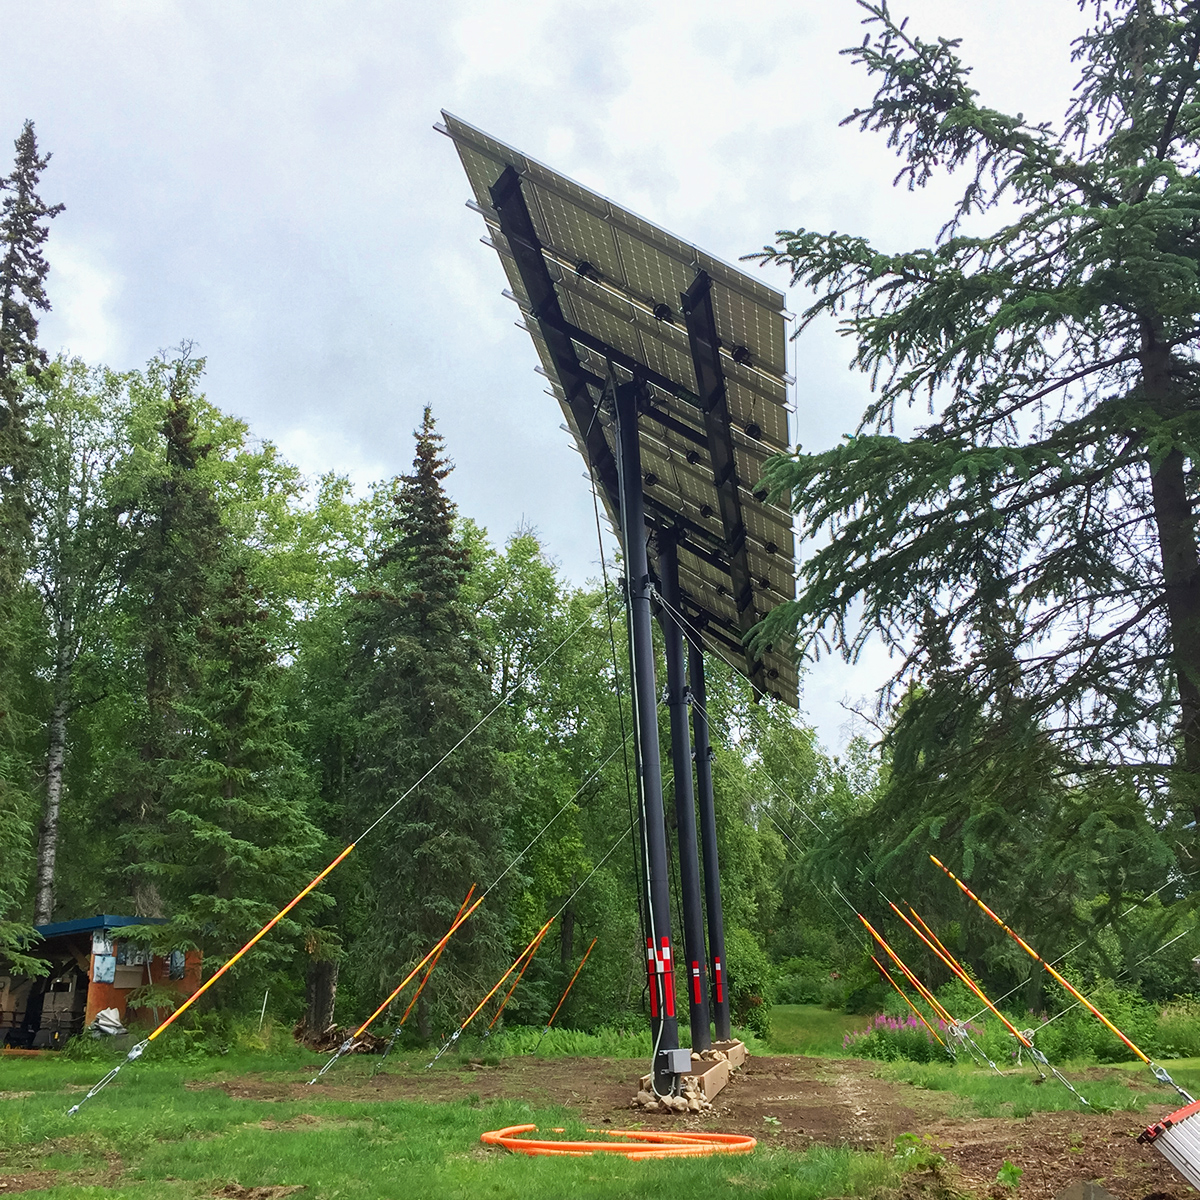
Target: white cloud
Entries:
(82, 322)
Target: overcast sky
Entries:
(263, 179)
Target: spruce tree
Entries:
(24, 228)
(419, 687)
(172, 584)
(1031, 554)
(24, 220)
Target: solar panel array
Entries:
(618, 281)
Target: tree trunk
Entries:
(321, 994)
(424, 1020)
(1176, 525)
(566, 933)
(56, 754)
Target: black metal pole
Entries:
(708, 840)
(695, 961)
(663, 1026)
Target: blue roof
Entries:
(90, 924)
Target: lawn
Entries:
(164, 1130)
(810, 1029)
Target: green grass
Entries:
(1018, 1093)
(163, 1140)
(810, 1029)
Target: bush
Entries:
(1078, 1035)
(751, 981)
(890, 1038)
(1179, 1029)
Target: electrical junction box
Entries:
(679, 1062)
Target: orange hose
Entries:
(657, 1145)
(1038, 958)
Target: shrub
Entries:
(751, 981)
(890, 1038)
(1179, 1029)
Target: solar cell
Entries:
(602, 293)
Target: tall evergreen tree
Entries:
(172, 585)
(420, 686)
(24, 228)
(24, 220)
(1032, 553)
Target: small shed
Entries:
(91, 968)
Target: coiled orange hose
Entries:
(657, 1145)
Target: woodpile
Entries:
(327, 1041)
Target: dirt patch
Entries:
(29, 1181)
(796, 1102)
(235, 1191)
(15, 1095)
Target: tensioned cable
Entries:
(608, 854)
(783, 795)
(348, 1045)
(1078, 945)
(137, 1051)
(1144, 958)
(612, 642)
(474, 728)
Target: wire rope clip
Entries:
(1160, 1073)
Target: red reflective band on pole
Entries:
(287, 908)
(414, 972)
(664, 967)
(1038, 958)
(652, 976)
(718, 975)
(696, 982)
(572, 984)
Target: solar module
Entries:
(609, 298)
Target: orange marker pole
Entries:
(570, 985)
(924, 992)
(137, 1050)
(537, 937)
(508, 995)
(416, 970)
(499, 984)
(916, 1010)
(287, 908)
(1038, 958)
(932, 942)
(429, 969)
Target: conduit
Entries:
(639, 1143)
